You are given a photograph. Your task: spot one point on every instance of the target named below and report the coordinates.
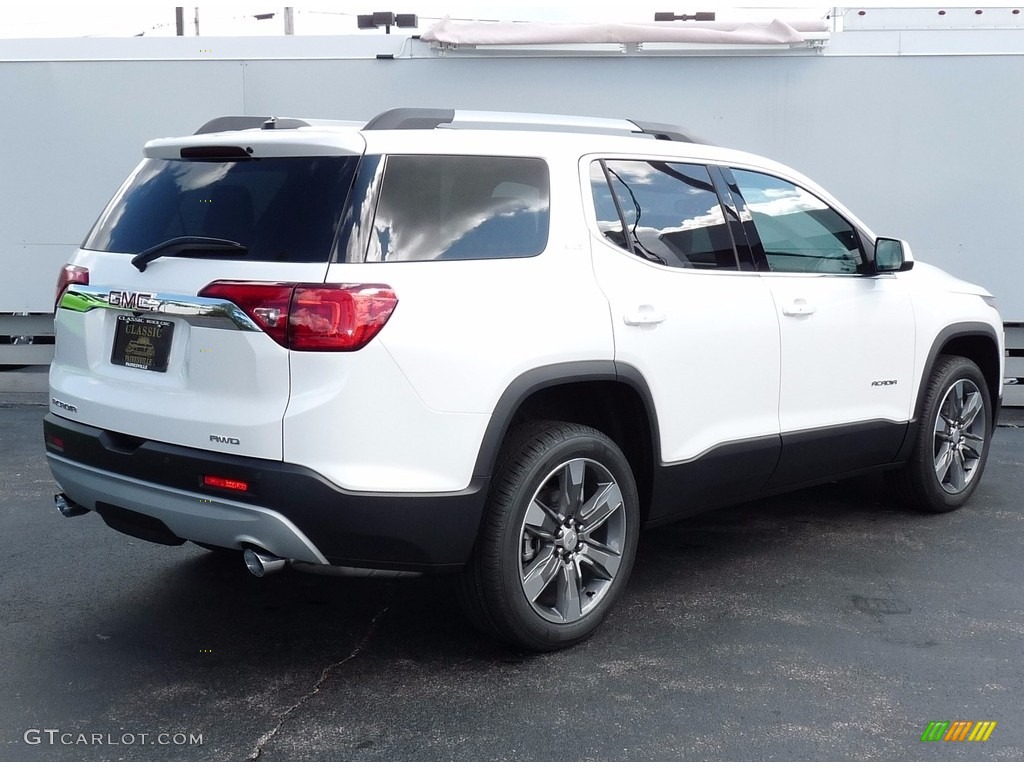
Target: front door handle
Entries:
(798, 308)
(645, 314)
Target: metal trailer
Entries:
(911, 117)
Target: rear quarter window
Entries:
(460, 207)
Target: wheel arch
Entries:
(975, 341)
(610, 397)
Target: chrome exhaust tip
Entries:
(67, 507)
(260, 565)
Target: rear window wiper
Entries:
(181, 244)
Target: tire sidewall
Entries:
(527, 623)
(939, 497)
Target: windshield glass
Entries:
(281, 209)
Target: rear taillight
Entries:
(339, 317)
(311, 317)
(265, 303)
(70, 274)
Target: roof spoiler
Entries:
(246, 122)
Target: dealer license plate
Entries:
(142, 342)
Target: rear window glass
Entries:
(460, 207)
(281, 209)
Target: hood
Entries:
(932, 275)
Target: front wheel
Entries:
(558, 537)
(952, 439)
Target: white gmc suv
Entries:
(494, 344)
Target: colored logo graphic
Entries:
(958, 730)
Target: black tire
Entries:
(952, 439)
(548, 568)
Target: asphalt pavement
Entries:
(827, 624)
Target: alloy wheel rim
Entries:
(572, 540)
(960, 425)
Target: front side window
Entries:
(279, 208)
(668, 213)
(799, 232)
(453, 207)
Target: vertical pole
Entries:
(197, 21)
(289, 20)
(179, 20)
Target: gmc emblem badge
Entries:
(133, 300)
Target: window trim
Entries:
(733, 209)
(618, 207)
(357, 219)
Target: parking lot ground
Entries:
(826, 624)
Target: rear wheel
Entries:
(558, 538)
(952, 439)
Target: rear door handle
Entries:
(645, 314)
(798, 308)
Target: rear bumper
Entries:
(141, 487)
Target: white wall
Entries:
(922, 147)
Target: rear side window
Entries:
(282, 209)
(668, 213)
(460, 207)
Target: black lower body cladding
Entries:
(396, 531)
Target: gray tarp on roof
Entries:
(529, 33)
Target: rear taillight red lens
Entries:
(338, 317)
(70, 274)
(265, 303)
(312, 317)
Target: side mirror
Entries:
(892, 255)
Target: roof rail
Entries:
(408, 118)
(411, 118)
(666, 132)
(244, 122)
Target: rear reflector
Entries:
(312, 317)
(225, 483)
